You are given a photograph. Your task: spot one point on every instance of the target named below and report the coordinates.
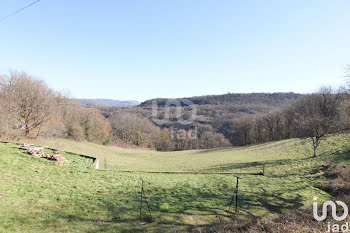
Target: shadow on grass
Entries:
(120, 214)
(169, 208)
(184, 200)
(338, 156)
(255, 166)
(174, 207)
(252, 147)
(222, 149)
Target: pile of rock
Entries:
(38, 152)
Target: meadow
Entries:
(39, 195)
(246, 158)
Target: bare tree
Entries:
(28, 100)
(211, 139)
(318, 115)
(134, 130)
(312, 116)
(163, 143)
(96, 126)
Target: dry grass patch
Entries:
(295, 221)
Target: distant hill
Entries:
(107, 102)
(274, 99)
(215, 113)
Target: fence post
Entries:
(143, 196)
(235, 195)
(263, 173)
(236, 191)
(141, 200)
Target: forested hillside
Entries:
(214, 115)
(235, 99)
(31, 109)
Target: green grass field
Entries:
(247, 158)
(45, 196)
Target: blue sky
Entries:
(177, 48)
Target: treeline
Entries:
(241, 119)
(28, 107)
(213, 118)
(311, 116)
(133, 129)
(236, 99)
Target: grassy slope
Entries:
(44, 196)
(229, 159)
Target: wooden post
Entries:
(263, 173)
(141, 200)
(96, 164)
(236, 191)
(144, 197)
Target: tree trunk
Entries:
(27, 132)
(315, 154)
(37, 135)
(315, 142)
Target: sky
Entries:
(138, 50)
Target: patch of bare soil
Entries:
(294, 221)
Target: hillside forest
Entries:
(30, 108)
